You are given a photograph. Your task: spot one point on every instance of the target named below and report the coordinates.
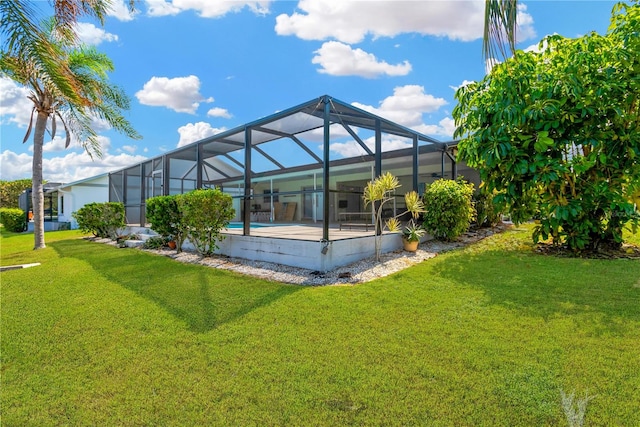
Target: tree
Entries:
(11, 190)
(91, 96)
(25, 40)
(557, 133)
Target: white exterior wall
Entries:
(72, 197)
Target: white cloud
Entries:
(206, 8)
(92, 35)
(161, 8)
(193, 132)
(75, 166)
(352, 148)
(219, 112)
(58, 144)
(15, 108)
(445, 127)
(181, 94)
(406, 105)
(339, 59)
(119, 9)
(71, 167)
(128, 149)
(525, 29)
(15, 166)
(14, 105)
(352, 21)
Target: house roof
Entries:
(82, 181)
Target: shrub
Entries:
(13, 219)
(163, 213)
(155, 242)
(204, 214)
(101, 219)
(488, 214)
(448, 208)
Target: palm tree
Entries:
(67, 82)
(499, 28)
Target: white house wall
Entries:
(74, 196)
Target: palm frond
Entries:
(500, 23)
(28, 133)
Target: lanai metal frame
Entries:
(211, 161)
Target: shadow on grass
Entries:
(547, 286)
(203, 297)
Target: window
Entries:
(267, 196)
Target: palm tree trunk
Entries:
(37, 191)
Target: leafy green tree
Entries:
(557, 133)
(10, 190)
(91, 96)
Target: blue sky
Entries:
(193, 68)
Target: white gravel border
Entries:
(358, 272)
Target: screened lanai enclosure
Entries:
(307, 165)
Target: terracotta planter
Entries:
(171, 244)
(410, 246)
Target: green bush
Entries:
(13, 219)
(10, 192)
(163, 213)
(448, 208)
(155, 242)
(204, 214)
(101, 219)
(488, 214)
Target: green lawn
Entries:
(486, 336)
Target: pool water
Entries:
(235, 225)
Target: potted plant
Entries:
(381, 191)
(171, 243)
(411, 236)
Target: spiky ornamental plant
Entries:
(380, 191)
(68, 83)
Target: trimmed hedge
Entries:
(448, 208)
(101, 219)
(13, 219)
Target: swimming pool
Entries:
(236, 225)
